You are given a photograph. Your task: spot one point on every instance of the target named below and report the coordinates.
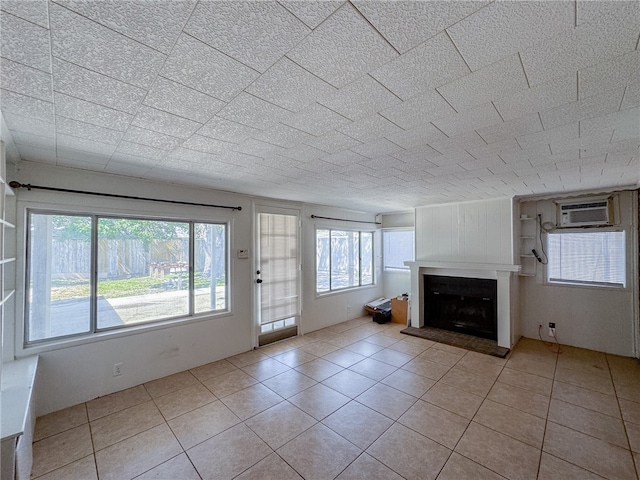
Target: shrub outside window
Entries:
(89, 273)
(344, 259)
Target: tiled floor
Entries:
(360, 401)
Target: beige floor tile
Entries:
(319, 453)
(124, 424)
(636, 458)
(528, 381)
(229, 383)
(633, 432)
(228, 454)
(386, 400)
(343, 357)
(319, 401)
(597, 383)
(421, 366)
(319, 369)
(554, 468)
(373, 369)
(324, 334)
(358, 424)
(60, 421)
(289, 383)
(280, 423)
(517, 424)
(271, 467)
(520, 399)
(202, 423)
(600, 402)
(408, 382)
(397, 449)
(468, 382)
(365, 467)
(251, 401)
(61, 449)
(408, 347)
(294, 358)
(247, 358)
(392, 357)
(450, 348)
(175, 404)
(278, 348)
(542, 364)
(137, 454)
(443, 357)
(485, 358)
(630, 410)
(211, 370)
(461, 468)
(83, 469)
(115, 402)
(319, 349)
(480, 366)
(500, 453)
(364, 348)
(588, 452)
(453, 399)
(419, 341)
(178, 381)
(590, 422)
(265, 369)
(349, 383)
(628, 391)
(624, 369)
(435, 423)
(179, 467)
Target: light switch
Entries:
(243, 253)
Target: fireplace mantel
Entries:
(503, 273)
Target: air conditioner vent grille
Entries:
(581, 206)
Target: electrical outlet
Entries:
(117, 369)
(552, 329)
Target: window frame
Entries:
(405, 269)
(352, 287)
(95, 333)
(592, 285)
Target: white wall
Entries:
(588, 317)
(80, 371)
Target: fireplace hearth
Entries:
(460, 304)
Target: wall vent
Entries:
(592, 211)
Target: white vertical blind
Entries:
(278, 267)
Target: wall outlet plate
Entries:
(117, 369)
(243, 253)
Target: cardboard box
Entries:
(399, 311)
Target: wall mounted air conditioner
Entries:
(586, 212)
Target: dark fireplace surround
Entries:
(461, 304)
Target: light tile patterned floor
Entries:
(360, 400)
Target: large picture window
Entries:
(88, 273)
(344, 259)
(398, 247)
(594, 258)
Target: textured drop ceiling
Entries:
(372, 105)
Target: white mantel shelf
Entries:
(493, 267)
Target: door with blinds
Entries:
(278, 274)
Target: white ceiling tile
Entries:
(34, 11)
(533, 140)
(152, 139)
(254, 147)
(290, 86)
(420, 153)
(496, 148)
(129, 157)
(342, 48)
(139, 150)
(25, 42)
(623, 146)
(377, 148)
(360, 98)
(504, 28)
(620, 71)
(192, 158)
(94, 87)
(283, 135)
(207, 70)
(186, 102)
(89, 112)
(27, 106)
(608, 102)
(254, 112)
(317, 120)
(457, 144)
(513, 128)
(82, 163)
(631, 96)
(34, 141)
(558, 91)
(406, 24)
(370, 128)
(223, 129)
(29, 125)
(311, 12)
(82, 144)
(164, 122)
(605, 37)
(346, 157)
(254, 33)
(127, 168)
(34, 154)
(156, 24)
(425, 133)
(624, 119)
(25, 80)
(475, 118)
(93, 46)
(418, 110)
(207, 144)
(502, 78)
(79, 157)
(429, 65)
(304, 153)
(332, 142)
(588, 10)
(87, 131)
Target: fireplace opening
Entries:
(459, 304)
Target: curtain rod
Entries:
(344, 220)
(28, 186)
